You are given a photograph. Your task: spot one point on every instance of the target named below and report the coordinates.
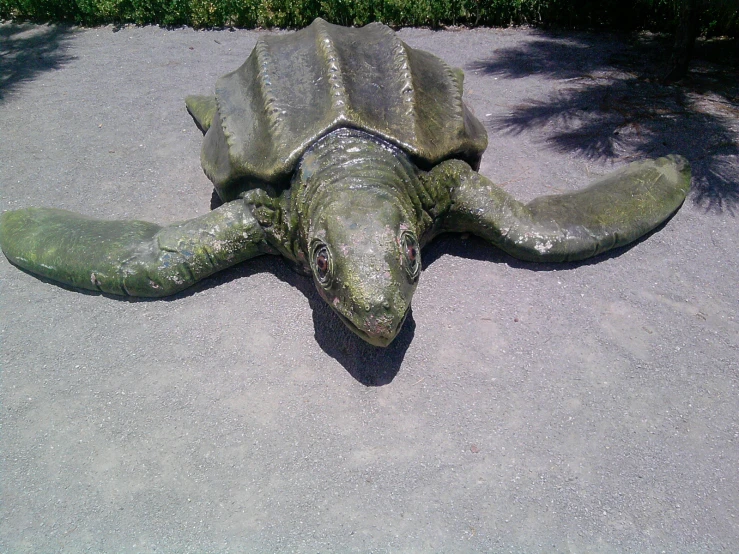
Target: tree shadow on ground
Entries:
(27, 50)
(611, 105)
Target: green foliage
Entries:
(720, 17)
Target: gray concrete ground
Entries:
(585, 407)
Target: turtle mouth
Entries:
(383, 338)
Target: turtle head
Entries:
(366, 259)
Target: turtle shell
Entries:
(297, 87)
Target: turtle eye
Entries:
(412, 254)
(322, 263)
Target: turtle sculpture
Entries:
(345, 151)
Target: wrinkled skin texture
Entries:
(352, 202)
(354, 213)
(368, 281)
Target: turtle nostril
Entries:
(386, 304)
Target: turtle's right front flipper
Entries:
(129, 257)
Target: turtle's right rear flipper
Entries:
(203, 109)
(129, 257)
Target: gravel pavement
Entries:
(586, 407)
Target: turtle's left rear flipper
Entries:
(612, 212)
(129, 257)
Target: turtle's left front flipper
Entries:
(133, 258)
(612, 212)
